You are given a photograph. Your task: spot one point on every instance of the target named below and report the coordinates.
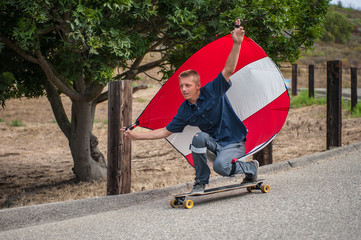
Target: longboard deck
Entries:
(221, 189)
(179, 199)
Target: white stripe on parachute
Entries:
(254, 87)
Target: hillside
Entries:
(349, 53)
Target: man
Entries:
(223, 133)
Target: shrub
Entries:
(356, 112)
(16, 123)
(336, 28)
(302, 100)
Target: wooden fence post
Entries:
(311, 81)
(334, 113)
(294, 79)
(353, 87)
(125, 176)
(264, 157)
(114, 138)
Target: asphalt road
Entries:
(320, 200)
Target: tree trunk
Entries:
(91, 159)
(89, 163)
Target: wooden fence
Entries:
(333, 84)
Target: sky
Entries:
(355, 4)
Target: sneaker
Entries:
(198, 187)
(253, 179)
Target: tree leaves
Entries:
(90, 38)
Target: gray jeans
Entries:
(224, 156)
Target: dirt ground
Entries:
(35, 161)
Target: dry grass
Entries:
(70, 190)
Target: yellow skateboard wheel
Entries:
(249, 189)
(173, 203)
(265, 188)
(188, 204)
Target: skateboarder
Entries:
(208, 107)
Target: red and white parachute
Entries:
(258, 94)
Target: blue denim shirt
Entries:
(212, 113)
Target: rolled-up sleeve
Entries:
(218, 86)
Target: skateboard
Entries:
(180, 199)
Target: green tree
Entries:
(71, 47)
(337, 28)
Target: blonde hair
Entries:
(191, 73)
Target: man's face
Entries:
(189, 89)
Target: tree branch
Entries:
(289, 34)
(47, 68)
(18, 50)
(93, 91)
(158, 43)
(53, 78)
(58, 109)
(162, 50)
(151, 65)
(134, 69)
(86, 48)
(152, 77)
(128, 74)
(80, 85)
(139, 87)
(104, 96)
(52, 28)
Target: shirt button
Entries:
(202, 116)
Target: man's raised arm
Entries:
(231, 63)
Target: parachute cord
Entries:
(132, 126)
